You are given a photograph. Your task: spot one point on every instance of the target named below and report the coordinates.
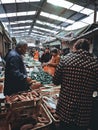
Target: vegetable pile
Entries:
(42, 77)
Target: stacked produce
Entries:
(23, 120)
(24, 99)
(42, 77)
(23, 114)
(25, 96)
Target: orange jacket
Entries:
(36, 55)
(51, 66)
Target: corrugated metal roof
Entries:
(43, 19)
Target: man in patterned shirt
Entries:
(77, 73)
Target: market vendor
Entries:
(16, 79)
(36, 55)
(52, 64)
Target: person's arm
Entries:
(95, 92)
(97, 79)
(54, 64)
(15, 68)
(15, 63)
(57, 79)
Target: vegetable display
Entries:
(42, 77)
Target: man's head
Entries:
(21, 47)
(81, 44)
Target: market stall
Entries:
(24, 111)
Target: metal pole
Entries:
(95, 13)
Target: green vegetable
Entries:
(42, 77)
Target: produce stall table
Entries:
(4, 125)
(24, 111)
(50, 97)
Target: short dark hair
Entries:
(65, 51)
(82, 44)
(54, 50)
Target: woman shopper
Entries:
(78, 75)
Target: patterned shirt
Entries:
(78, 75)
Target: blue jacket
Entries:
(15, 74)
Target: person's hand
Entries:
(36, 85)
(49, 63)
(44, 64)
(31, 82)
(29, 79)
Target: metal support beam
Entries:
(3, 10)
(42, 2)
(95, 14)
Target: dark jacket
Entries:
(78, 75)
(15, 74)
(45, 57)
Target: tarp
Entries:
(69, 35)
